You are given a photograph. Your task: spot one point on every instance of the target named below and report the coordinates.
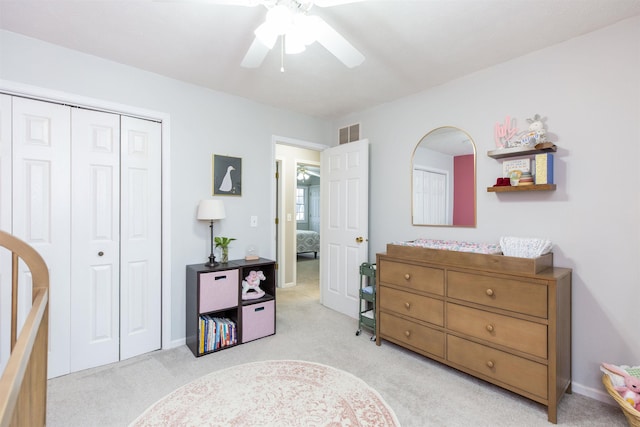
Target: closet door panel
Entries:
(5, 225)
(41, 210)
(140, 328)
(5, 163)
(95, 238)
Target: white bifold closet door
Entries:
(86, 195)
(140, 237)
(5, 225)
(430, 201)
(41, 205)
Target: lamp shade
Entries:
(211, 209)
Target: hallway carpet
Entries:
(307, 270)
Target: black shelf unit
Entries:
(217, 291)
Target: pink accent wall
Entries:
(463, 190)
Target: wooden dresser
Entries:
(503, 319)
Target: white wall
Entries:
(589, 89)
(203, 122)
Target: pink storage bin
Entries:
(258, 320)
(219, 290)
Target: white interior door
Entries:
(95, 239)
(5, 225)
(41, 210)
(345, 224)
(140, 279)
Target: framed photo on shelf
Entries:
(227, 175)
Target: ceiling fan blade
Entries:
(255, 55)
(336, 44)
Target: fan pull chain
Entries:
(282, 54)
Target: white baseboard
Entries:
(175, 343)
(593, 393)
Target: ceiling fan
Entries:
(290, 22)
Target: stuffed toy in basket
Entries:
(624, 386)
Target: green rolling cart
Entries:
(367, 309)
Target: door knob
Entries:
(359, 239)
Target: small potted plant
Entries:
(223, 243)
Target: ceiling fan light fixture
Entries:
(302, 174)
(293, 45)
(280, 18)
(304, 28)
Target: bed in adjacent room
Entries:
(307, 241)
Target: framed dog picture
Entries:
(227, 175)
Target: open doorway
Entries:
(307, 220)
(344, 221)
(298, 208)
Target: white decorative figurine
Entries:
(251, 285)
(529, 138)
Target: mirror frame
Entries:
(475, 161)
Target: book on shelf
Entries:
(544, 169)
(216, 333)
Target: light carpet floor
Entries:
(273, 393)
(420, 391)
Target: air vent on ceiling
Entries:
(350, 133)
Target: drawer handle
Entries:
(407, 276)
(407, 333)
(489, 292)
(490, 327)
(407, 305)
(490, 364)
(220, 277)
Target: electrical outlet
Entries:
(254, 221)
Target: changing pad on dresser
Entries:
(454, 245)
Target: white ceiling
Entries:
(409, 46)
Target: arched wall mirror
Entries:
(443, 171)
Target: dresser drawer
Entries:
(417, 306)
(415, 277)
(412, 334)
(519, 296)
(522, 335)
(513, 370)
(218, 290)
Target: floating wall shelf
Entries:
(504, 153)
(519, 151)
(507, 189)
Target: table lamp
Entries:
(211, 210)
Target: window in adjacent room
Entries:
(301, 204)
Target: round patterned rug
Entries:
(272, 393)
